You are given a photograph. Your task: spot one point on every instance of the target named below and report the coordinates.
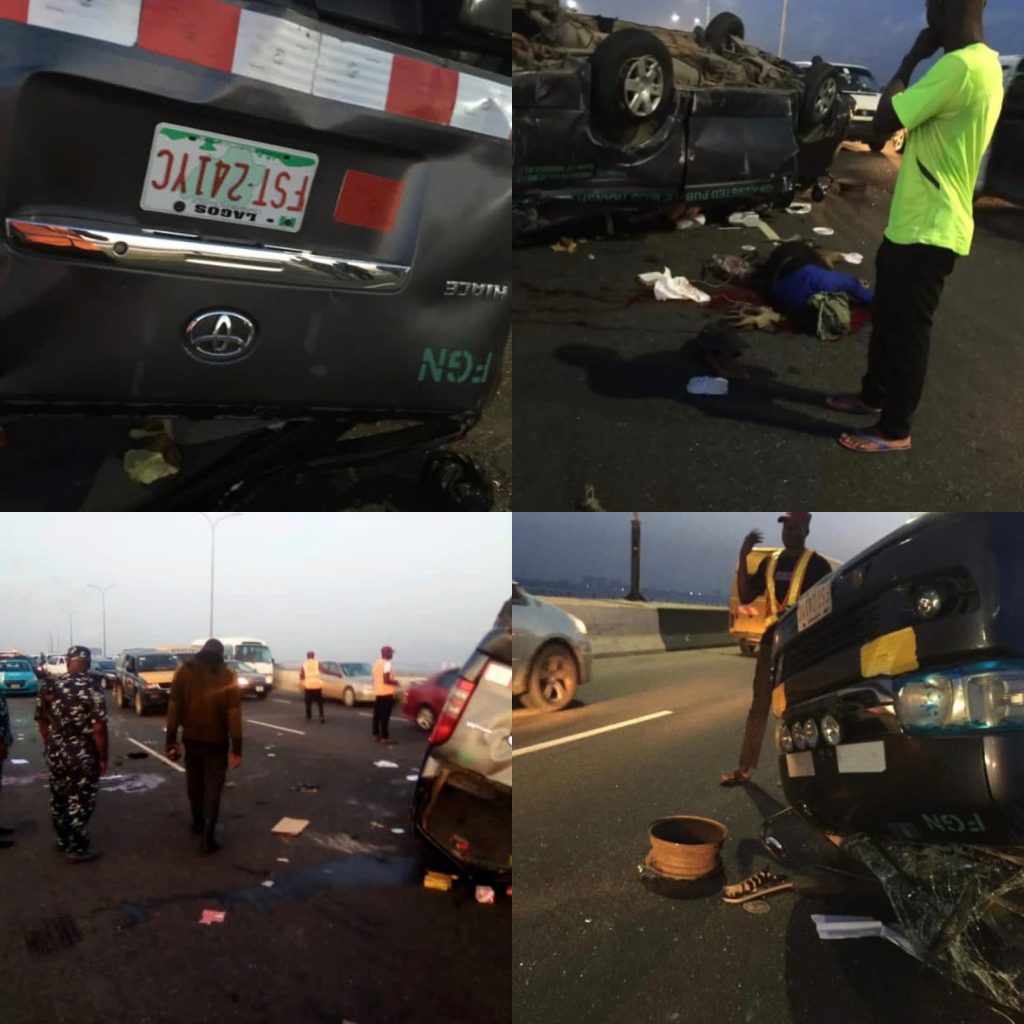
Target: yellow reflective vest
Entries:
(775, 607)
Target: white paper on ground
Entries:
(832, 927)
(668, 287)
(855, 258)
(824, 231)
(384, 764)
(18, 760)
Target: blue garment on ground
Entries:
(794, 291)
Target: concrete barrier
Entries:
(632, 627)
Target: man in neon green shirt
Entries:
(950, 115)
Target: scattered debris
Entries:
(708, 386)
(18, 760)
(760, 318)
(839, 926)
(213, 917)
(757, 886)
(757, 907)
(749, 219)
(271, 755)
(437, 880)
(377, 824)
(568, 245)
(384, 764)
(289, 826)
(856, 258)
(306, 787)
(799, 209)
(283, 860)
(411, 778)
(160, 459)
(685, 223)
(589, 502)
(667, 287)
(267, 884)
(230, 785)
(484, 894)
(750, 248)
(462, 845)
(824, 231)
(398, 831)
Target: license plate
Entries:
(220, 178)
(259, 689)
(814, 606)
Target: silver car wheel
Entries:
(425, 718)
(556, 675)
(826, 96)
(643, 86)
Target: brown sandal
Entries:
(737, 777)
(761, 883)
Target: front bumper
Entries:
(29, 687)
(860, 131)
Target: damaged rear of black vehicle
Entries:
(245, 210)
(900, 690)
(611, 115)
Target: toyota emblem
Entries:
(220, 337)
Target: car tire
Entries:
(721, 29)
(140, 708)
(554, 676)
(118, 695)
(348, 698)
(425, 717)
(633, 82)
(821, 94)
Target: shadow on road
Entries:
(665, 375)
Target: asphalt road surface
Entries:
(592, 943)
(345, 933)
(602, 375)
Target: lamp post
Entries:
(634, 582)
(103, 594)
(213, 551)
(782, 32)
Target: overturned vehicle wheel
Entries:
(721, 29)
(633, 81)
(821, 94)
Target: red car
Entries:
(424, 699)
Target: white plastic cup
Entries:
(708, 386)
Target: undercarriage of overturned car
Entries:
(611, 115)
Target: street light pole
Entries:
(634, 585)
(103, 594)
(213, 553)
(782, 33)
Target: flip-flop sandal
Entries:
(871, 444)
(734, 778)
(759, 884)
(851, 403)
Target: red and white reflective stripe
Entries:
(271, 48)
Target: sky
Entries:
(342, 584)
(680, 550)
(876, 33)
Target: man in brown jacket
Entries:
(206, 704)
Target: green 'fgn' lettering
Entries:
(455, 367)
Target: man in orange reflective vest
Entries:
(782, 578)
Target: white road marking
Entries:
(282, 728)
(768, 231)
(589, 733)
(159, 757)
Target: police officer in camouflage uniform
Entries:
(72, 716)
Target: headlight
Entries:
(831, 731)
(928, 602)
(925, 703)
(580, 625)
(799, 740)
(784, 739)
(811, 733)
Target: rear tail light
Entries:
(456, 703)
(988, 697)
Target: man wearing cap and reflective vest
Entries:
(782, 578)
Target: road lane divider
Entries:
(159, 757)
(282, 728)
(590, 732)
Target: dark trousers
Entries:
(757, 717)
(910, 279)
(206, 765)
(314, 697)
(382, 708)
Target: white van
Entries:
(246, 649)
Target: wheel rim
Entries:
(349, 698)
(643, 86)
(425, 718)
(826, 96)
(899, 140)
(556, 677)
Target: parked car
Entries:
(746, 621)
(55, 665)
(354, 154)
(900, 686)
(424, 700)
(609, 114)
(351, 682)
(17, 675)
(860, 86)
(462, 805)
(104, 671)
(1002, 169)
(144, 679)
(551, 652)
(251, 681)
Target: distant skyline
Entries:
(681, 551)
(342, 584)
(876, 33)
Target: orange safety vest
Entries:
(775, 609)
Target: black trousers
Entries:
(382, 708)
(314, 697)
(206, 765)
(910, 280)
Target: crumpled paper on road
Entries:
(161, 459)
(667, 287)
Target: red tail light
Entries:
(452, 711)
